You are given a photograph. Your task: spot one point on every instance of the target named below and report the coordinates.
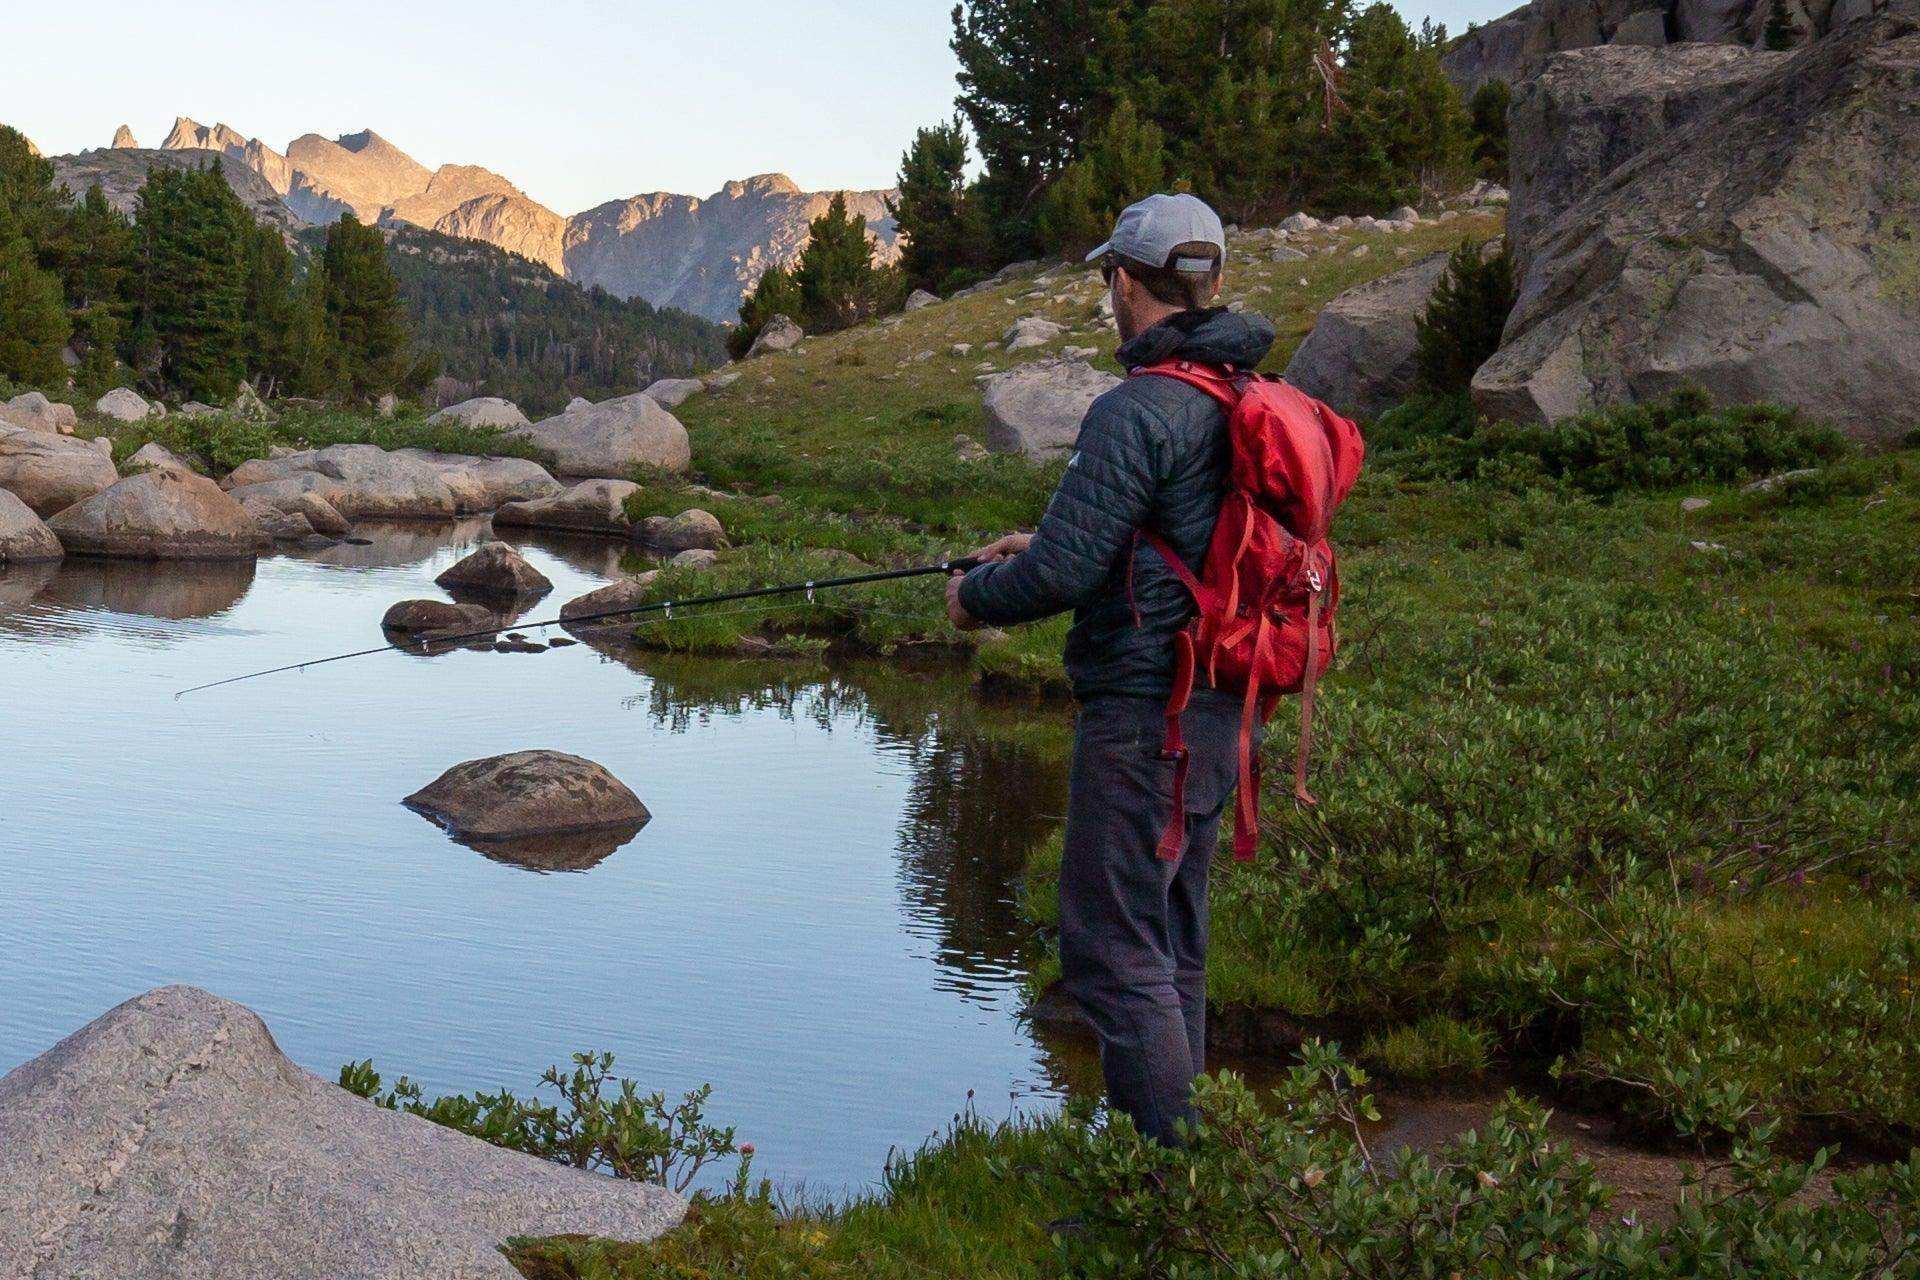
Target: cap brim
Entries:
(1099, 253)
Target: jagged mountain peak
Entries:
(189, 134)
(123, 139)
(762, 184)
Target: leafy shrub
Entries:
(622, 1133)
(1464, 319)
(224, 441)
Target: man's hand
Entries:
(956, 612)
(1004, 548)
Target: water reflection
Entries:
(21, 583)
(570, 851)
(173, 590)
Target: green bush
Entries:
(1464, 319)
(224, 441)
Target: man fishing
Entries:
(1152, 456)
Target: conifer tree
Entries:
(835, 274)
(1405, 130)
(190, 294)
(363, 306)
(1464, 319)
(27, 191)
(271, 307)
(315, 370)
(1489, 112)
(943, 224)
(33, 318)
(92, 252)
(1125, 161)
(776, 293)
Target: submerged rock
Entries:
(160, 515)
(495, 569)
(23, 538)
(527, 793)
(170, 1138)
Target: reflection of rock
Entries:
(21, 584)
(527, 793)
(396, 544)
(172, 1137)
(173, 589)
(573, 851)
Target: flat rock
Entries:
(51, 472)
(1360, 356)
(1756, 252)
(1036, 409)
(483, 411)
(1031, 331)
(594, 506)
(694, 558)
(527, 793)
(170, 1139)
(123, 405)
(625, 594)
(426, 617)
(160, 515)
(361, 481)
(482, 484)
(32, 411)
(672, 391)
(920, 298)
(24, 539)
(613, 439)
(778, 334)
(495, 569)
(692, 530)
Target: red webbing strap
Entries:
(1307, 682)
(1173, 840)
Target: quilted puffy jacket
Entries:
(1152, 453)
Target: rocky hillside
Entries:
(121, 171)
(671, 250)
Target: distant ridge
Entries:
(671, 250)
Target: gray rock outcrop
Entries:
(495, 569)
(24, 538)
(1768, 250)
(778, 334)
(594, 506)
(624, 594)
(613, 439)
(527, 793)
(1031, 331)
(154, 456)
(1036, 409)
(123, 405)
(920, 298)
(360, 481)
(483, 411)
(691, 530)
(483, 484)
(159, 515)
(32, 411)
(672, 392)
(170, 1139)
(1360, 356)
(51, 472)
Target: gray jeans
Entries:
(1133, 927)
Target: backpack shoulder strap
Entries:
(1222, 383)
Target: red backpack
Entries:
(1268, 589)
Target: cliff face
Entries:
(122, 171)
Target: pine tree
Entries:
(776, 293)
(316, 370)
(1464, 319)
(92, 252)
(1125, 161)
(942, 223)
(272, 304)
(26, 189)
(1405, 130)
(835, 274)
(33, 317)
(1780, 32)
(1489, 113)
(190, 291)
(363, 305)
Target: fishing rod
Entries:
(666, 607)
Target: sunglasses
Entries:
(1107, 267)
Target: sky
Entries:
(576, 101)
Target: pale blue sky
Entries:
(577, 101)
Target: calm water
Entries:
(819, 920)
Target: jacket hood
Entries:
(1214, 336)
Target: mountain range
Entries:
(697, 255)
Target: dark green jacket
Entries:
(1152, 453)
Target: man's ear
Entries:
(1218, 281)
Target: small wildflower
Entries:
(1487, 1180)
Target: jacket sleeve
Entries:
(1103, 498)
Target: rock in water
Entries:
(23, 538)
(778, 334)
(160, 515)
(1036, 409)
(1765, 251)
(123, 405)
(482, 484)
(483, 411)
(625, 594)
(362, 481)
(496, 569)
(671, 392)
(425, 617)
(614, 438)
(693, 530)
(51, 472)
(170, 1139)
(526, 794)
(596, 506)
(1360, 356)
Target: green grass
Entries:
(218, 443)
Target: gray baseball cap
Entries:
(1148, 231)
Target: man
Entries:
(1152, 454)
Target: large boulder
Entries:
(672, 392)
(495, 569)
(153, 456)
(1036, 409)
(527, 793)
(1590, 111)
(1360, 357)
(361, 481)
(32, 411)
(482, 484)
(593, 506)
(123, 405)
(918, 299)
(160, 515)
(303, 495)
(428, 617)
(614, 438)
(625, 594)
(1768, 250)
(1031, 331)
(691, 530)
(23, 538)
(170, 1139)
(483, 411)
(778, 334)
(52, 472)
